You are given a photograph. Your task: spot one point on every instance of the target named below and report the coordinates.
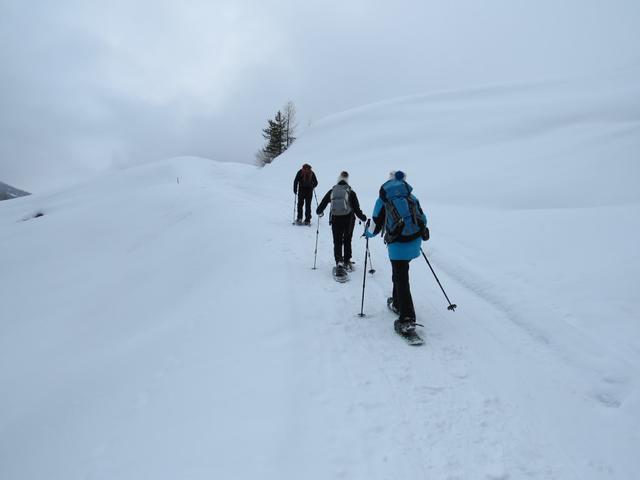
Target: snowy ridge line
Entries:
(485, 93)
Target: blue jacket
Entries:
(397, 250)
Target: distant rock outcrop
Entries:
(7, 192)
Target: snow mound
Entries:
(554, 145)
(128, 312)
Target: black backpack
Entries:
(306, 178)
(405, 221)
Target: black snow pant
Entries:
(342, 228)
(305, 195)
(401, 290)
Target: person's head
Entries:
(343, 177)
(306, 166)
(397, 175)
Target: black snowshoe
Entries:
(340, 273)
(406, 328)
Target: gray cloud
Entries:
(87, 86)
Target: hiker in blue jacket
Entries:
(397, 214)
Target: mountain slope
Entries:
(177, 330)
(8, 192)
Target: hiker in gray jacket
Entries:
(344, 209)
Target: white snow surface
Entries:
(164, 322)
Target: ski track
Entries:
(432, 397)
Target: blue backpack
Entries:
(404, 220)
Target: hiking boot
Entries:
(307, 222)
(348, 265)
(405, 325)
(392, 306)
(298, 221)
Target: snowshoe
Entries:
(340, 274)
(406, 328)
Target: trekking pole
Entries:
(364, 272)
(315, 254)
(452, 306)
(295, 200)
(373, 270)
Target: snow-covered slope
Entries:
(134, 341)
(164, 321)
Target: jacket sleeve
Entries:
(323, 204)
(315, 180)
(296, 181)
(377, 219)
(355, 204)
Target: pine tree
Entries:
(279, 135)
(274, 134)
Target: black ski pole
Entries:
(372, 270)
(364, 277)
(315, 254)
(452, 306)
(295, 200)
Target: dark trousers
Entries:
(401, 290)
(305, 195)
(342, 229)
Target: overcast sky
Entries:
(91, 85)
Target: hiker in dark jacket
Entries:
(303, 185)
(344, 209)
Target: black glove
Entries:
(295, 192)
(320, 214)
(425, 234)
